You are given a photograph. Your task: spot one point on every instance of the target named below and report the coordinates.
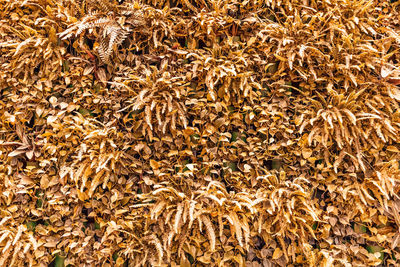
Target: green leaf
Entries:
(195, 138)
(115, 256)
(189, 257)
(235, 136)
(359, 228)
(315, 226)
(184, 163)
(65, 65)
(59, 261)
(85, 112)
(243, 137)
(232, 166)
(31, 225)
(276, 164)
(39, 203)
(375, 249)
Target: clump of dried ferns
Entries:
(191, 133)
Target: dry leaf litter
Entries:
(199, 133)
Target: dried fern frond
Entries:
(111, 33)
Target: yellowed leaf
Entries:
(277, 254)
(154, 164)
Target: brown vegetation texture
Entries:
(199, 133)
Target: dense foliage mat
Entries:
(199, 132)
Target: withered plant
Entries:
(199, 133)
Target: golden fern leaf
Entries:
(103, 50)
(221, 225)
(178, 217)
(158, 246)
(17, 249)
(113, 34)
(96, 181)
(148, 117)
(181, 241)
(185, 212)
(191, 211)
(90, 24)
(169, 240)
(210, 231)
(234, 220)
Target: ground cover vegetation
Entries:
(199, 133)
